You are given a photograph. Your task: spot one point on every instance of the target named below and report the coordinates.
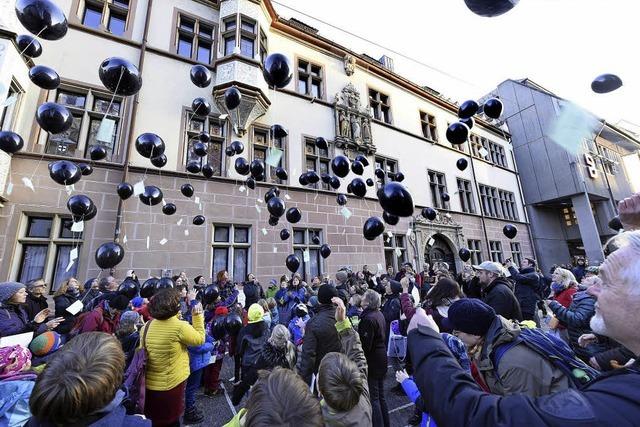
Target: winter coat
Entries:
(411, 390)
(271, 292)
(576, 318)
(99, 320)
(252, 293)
(15, 320)
(34, 305)
(297, 334)
(129, 344)
(90, 295)
(521, 370)
(14, 402)
(271, 357)
(579, 272)
(199, 356)
(361, 414)
(275, 317)
(391, 309)
(287, 300)
(62, 302)
(566, 296)
(320, 338)
(251, 340)
(499, 295)
(471, 288)
(373, 334)
(621, 355)
(527, 290)
(610, 400)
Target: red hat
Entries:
(221, 311)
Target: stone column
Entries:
(588, 228)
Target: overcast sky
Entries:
(561, 44)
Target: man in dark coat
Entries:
(497, 291)
(527, 287)
(36, 301)
(252, 291)
(320, 336)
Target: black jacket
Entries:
(454, 399)
(62, 302)
(251, 339)
(373, 334)
(499, 295)
(320, 337)
(34, 305)
(391, 308)
(527, 290)
(129, 344)
(252, 292)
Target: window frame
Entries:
(9, 113)
(465, 194)
(308, 77)
(429, 126)
(195, 35)
(390, 244)
(258, 37)
(269, 175)
(377, 106)
(231, 245)
(107, 8)
(190, 136)
(437, 201)
(475, 248)
(495, 251)
(308, 245)
(384, 161)
(516, 254)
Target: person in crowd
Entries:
(267, 313)
(273, 288)
(469, 282)
(16, 384)
(391, 309)
(279, 398)
(199, 357)
(444, 293)
(497, 291)
(184, 301)
(576, 319)
(225, 286)
(342, 379)
(234, 342)
(13, 317)
(373, 334)
(200, 282)
(241, 297)
(273, 309)
(36, 299)
(288, 298)
(91, 291)
(342, 284)
(167, 370)
(178, 282)
(67, 294)
(108, 287)
(278, 351)
(355, 310)
(563, 286)
(44, 346)
(390, 272)
(128, 334)
(252, 291)
(105, 317)
(251, 340)
(614, 358)
(211, 374)
(137, 302)
(527, 287)
(81, 386)
(580, 269)
(320, 336)
(298, 323)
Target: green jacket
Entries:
(238, 420)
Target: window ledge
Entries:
(105, 34)
(237, 57)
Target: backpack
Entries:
(134, 377)
(252, 347)
(79, 323)
(554, 350)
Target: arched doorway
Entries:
(440, 251)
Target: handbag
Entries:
(134, 377)
(397, 345)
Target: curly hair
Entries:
(165, 304)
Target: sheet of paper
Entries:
(138, 188)
(73, 254)
(242, 188)
(164, 202)
(163, 241)
(196, 200)
(288, 197)
(306, 256)
(27, 183)
(274, 155)
(75, 308)
(345, 212)
(9, 188)
(430, 242)
(483, 152)
(69, 189)
(572, 126)
(20, 339)
(69, 265)
(10, 100)
(258, 208)
(179, 222)
(275, 250)
(105, 131)
(77, 227)
(409, 231)
(380, 269)
(398, 252)
(124, 239)
(148, 241)
(264, 231)
(416, 295)
(186, 232)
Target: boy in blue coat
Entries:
(199, 358)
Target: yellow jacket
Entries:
(167, 355)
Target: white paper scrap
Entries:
(73, 254)
(286, 196)
(69, 188)
(242, 188)
(69, 265)
(148, 242)
(264, 231)
(164, 202)
(430, 242)
(75, 307)
(346, 212)
(306, 256)
(275, 250)
(196, 200)
(390, 234)
(10, 100)
(398, 253)
(179, 222)
(20, 339)
(258, 208)
(186, 232)
(483, 152)
(409, 231)
(572, 126)
(105, 131)
(380, 269)
(27, 183)
(138, 188)
(274, 155)
(163, 241)
(124, 239)
(9, 188)
(78, 227)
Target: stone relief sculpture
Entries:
(349, 65)
(353, 122)
(355, 129)
(344, 126)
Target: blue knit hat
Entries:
(471, 316)
(9, 289)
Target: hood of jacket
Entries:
(359, 415)
(500, 332)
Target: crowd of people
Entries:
(498, 344)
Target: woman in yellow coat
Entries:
(167, 339)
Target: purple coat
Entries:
(15, 320)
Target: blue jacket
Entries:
(411, 389)
(296, 333)
(14, 402)
(14, 320)
(287, 300)
(275, 318)
(199, 356)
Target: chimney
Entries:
(387, 62)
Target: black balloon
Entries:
(159, 161)
(457, 133)
(313, 177)
(148, 288)
(229, 152)
(398, 177)
(362, 159)
(429, 213)
(128, 288)
(242, 166)
(201, 107)
(44, 77)
(79, 205)
(232, 98)
(281, 173)
(120, 76)
(207, 170)
(277, 70)
(606, 83)
(379, 173)
(165, 283)
(325, 177)
(233, 324)
(149, 145)
(169, 209)
(198, 220)
(468, 109)
(85, 169)
(204, 137)
(389, 218)
(293, 263)
(358, 187)
(462, 164)
(396, 199)
(294, 215)
(237, 147)
(186, 190)
(325, 251)
(278, 132)
(464, 254)
(334, 183)
(303, 179)
(445, 197)
(194, 166)
(10, 142)
(369, 182)
(151, 196)
(273, 192)
(490, 8)
(200, 76)
(341, 199)
(357, 168)
(315, 239)
(615, 223)
(29, 45)
(108, 255)
(321, 143)
(273, 220)
(93, 211)
(200, 149)
(211, 294)
(218, 331)
(98, 152)
(349, 188)
(54, 118)
(469, 122)
(276, 206)
(125, 190)
(340, 166)
(372, 228)
(284, 234)
(42, 18)
(256, 168)
(510, 231)
(251, 183)
(64, 172)
(492, 108)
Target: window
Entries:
(45, 246)
(387, 165)
(264, 46)
(215, 147)
(229, 35)
(310, 79)
(380, 106)
(90, 111)
(261, 144)
(438, 186)
(479, 146)
(496, 251)
(608, 160)
(231, 249)
(308, 252)
(497, 154)
(516, 254)
(508, 205)
(466, 196)
(569, 215)
(395, 250)
(429, 129)
(195, 38)
(110, 15)
(316, 160)
(476, 252)
(498, 203)
(10, 106)
(246, 31)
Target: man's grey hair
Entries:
(372, 298)
(630, 273)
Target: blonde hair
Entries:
(65, 285)
(271, 302)
(567, 279)
(262, 303)
(281, 339)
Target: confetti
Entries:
(27, 183)
(345, 212)
(163, 241)
(138, 188)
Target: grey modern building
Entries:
(570, 195)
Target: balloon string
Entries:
(114, 94)
(33, 39)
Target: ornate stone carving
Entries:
(252, 106)
(349, 64)
(353, 122)
(441, 219)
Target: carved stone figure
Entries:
(344, 126)
(355, 128)
(366, 130)
(353, 122)
(349, 65)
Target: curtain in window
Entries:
(62, 260)
(240, 261)
(33, 261)
(220, 258)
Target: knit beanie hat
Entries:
(326, 292)
(256, 313)
(341, 276)
(396, 287)
(9, 289)
(45, 343)
(221, 311)
(313, 301)
(13, 360)
(120, 302)
(471, 316)
(129, 318)
(137, 302)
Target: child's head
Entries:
(271, 302)
(355, 300)
(340, 382)
(265, 306)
